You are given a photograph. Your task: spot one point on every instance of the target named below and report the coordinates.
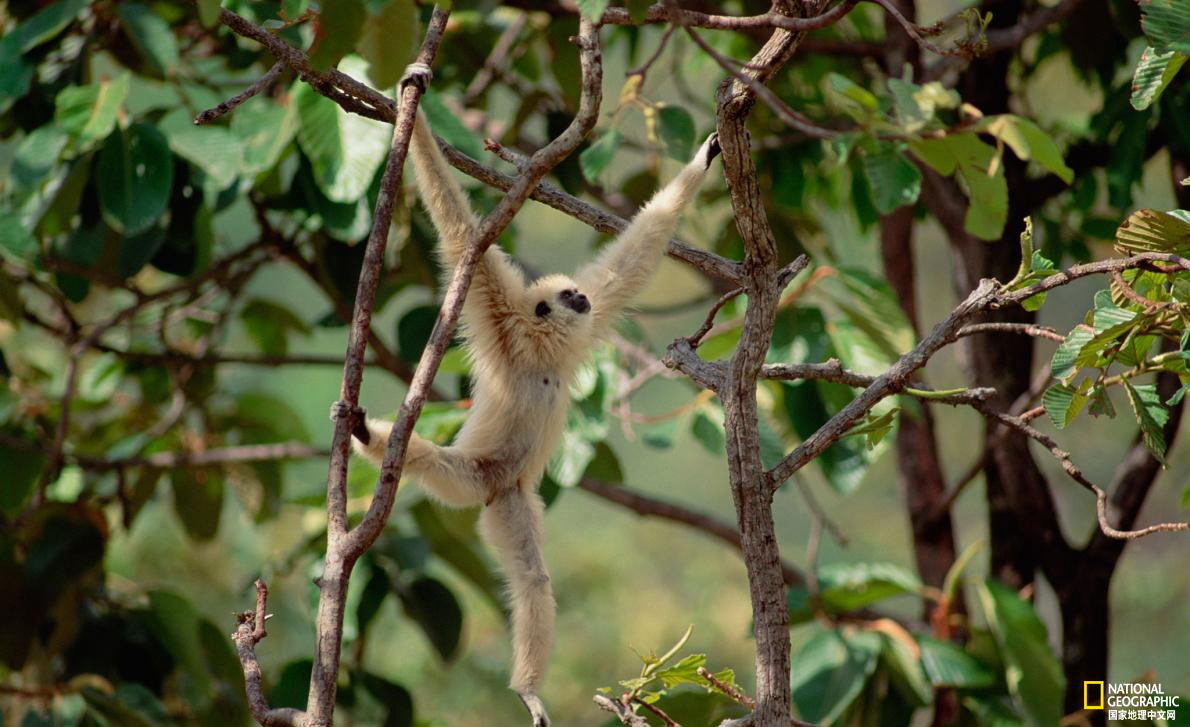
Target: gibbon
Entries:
(525, 341)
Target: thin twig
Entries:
(622, 711)
(257, 86)
(1025, 329)
(665, 718)
(249, 631)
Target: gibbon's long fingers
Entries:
(448, 206)
(627, 264)
(513, 524)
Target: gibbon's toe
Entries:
(536, 710)
(713, 147)
(419, 74)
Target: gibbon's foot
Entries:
(711, 148)
(419, 74)
(358, 416)
(536, 709)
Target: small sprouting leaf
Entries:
(1154, 71)
(134, 174)
(1150, 414)
(894, 180)
(675, 128)
(599, 155)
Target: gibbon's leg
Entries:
(445, 473)
(513, 523)
(624, 267)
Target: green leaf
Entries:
(269, 324)
(345, 150)
(198, 500)
(903, 664)
(151, 35)
(992, 711)
(638, 10)
(683, 672)
(1148, 230)
(389, 42)
(15, 241)
(894, 180)
(988, 209)
(1063, 403)
(89, 112)
(599, 155)
(414, 330)
(708, 432)
(1028, 142)
(264, 129)
(435, 609)
(1153, 73)
(208, 12)
(851, 98)
(845, 587)
(605, 466)
(395, 698)
(829, 672)
(452, 537)
(592, 9)
(1032, 671)
(675, 127)
(938, 154)
(46, 23)
(1065, 361)
(1150, 414)
(339, 26)
(213, 149)
(15, 73)
(132, 705)
(1166, 24)
(134, 173)
(571, 458)
(948, 665)
(22, 468)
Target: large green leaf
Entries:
(46, 23)
(947, 665)
(1151, 414)
(134, 173)
(345, 150)
(437, 611)
(1032, 671)
(389, 41)
(675, 129)
(198, 500)
(452, 537)
(894, 180)
(339, 26)
(1153, 73)
(847, 587)
(264, 129)
(213, 149)
(1166, 24)
(151, 35)
(89, 112)
(829, 672)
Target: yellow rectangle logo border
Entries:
(1086, 695)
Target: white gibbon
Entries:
(526, 341)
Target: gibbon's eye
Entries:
(543, 309)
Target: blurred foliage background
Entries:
(183, 289)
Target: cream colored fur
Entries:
(523, 366)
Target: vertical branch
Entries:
(750, 493)
(339, 558)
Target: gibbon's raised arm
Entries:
(624, 267)
(497, 286)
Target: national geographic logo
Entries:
(1131, 700)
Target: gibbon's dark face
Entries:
(568, 298)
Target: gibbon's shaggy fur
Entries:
(526, 341)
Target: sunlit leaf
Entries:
(1166, 24)
(1148, 230)
(1150, 414)
(1153, 73)
(89, 112)
(1028, 142)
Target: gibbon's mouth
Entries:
(575, 300)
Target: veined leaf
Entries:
(1149, 230)
(1153, 73)
(1063, 403)
(1067, 356)
(894, 180)
(1028, 142)
(1166, 24)
(1150, 414)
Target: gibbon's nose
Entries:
(575, 300)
